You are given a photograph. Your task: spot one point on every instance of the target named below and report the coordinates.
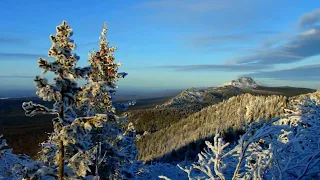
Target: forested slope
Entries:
(230, 115)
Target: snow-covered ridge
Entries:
(188, 95)
(242, 82)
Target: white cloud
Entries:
(296, 49)
(302, 73)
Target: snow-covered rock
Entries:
(156, 171)
(242, 82)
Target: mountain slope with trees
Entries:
(181, 106)
(231, 115)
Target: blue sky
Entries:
(168, 44)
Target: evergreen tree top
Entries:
(61, 51)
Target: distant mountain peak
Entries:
(242, 82)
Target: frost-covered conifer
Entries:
(116, 145)
(92, 146)
(98, 94)
(62, 91)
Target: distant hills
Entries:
(122, 93)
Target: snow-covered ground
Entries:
(152, 172)
(283, 148)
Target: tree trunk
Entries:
(61, 151)
(61, 161)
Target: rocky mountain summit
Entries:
(242, 82)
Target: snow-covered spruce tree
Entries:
(81, 146)
(97, 95)
(60, 147)
(283, 148)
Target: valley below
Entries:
(24, 134)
